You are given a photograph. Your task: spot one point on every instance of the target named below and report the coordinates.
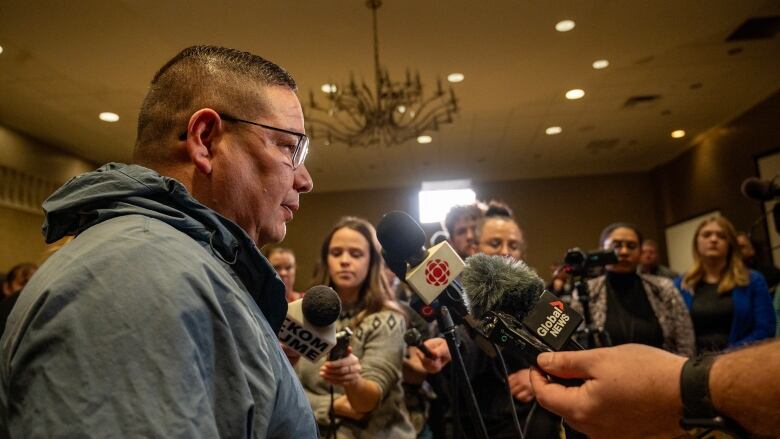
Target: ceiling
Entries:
(66, 61)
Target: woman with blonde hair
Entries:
(367, 398)
(729, 304)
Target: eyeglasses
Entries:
(297, 153)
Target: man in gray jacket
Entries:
(159, 319)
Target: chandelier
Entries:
(389, 113)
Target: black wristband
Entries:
(695, 388)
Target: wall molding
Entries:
(24, 192)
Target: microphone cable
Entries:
(332, 426)
(515, 420)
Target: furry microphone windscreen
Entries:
(498, 283)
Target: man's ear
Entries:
(203, 129)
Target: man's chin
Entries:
(271, 237)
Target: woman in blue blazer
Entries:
(730, 305)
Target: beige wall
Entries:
(20, 226)
(709, 175)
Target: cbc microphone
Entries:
(515, 309)
(412, 337)
(430, 273)
(308, 328)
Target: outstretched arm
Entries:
(634, 390)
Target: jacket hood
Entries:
(117, 189)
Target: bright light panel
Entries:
(434, 204)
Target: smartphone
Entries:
(342, 343)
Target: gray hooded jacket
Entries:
(158, 320)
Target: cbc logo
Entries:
(437, 272)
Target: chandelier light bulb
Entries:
(401, 109)
(564, 25)
(424, 139)
(328, 88)
(551, 131)
(678, 134)
(600, 64)
(108, 116)
(575, 93)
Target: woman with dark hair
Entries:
(730, 304)
(498, 233)
(636, 308)
(368, 399)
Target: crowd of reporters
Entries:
(635, 300)
(385, 388)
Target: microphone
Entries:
(430, 273)
(412, 337)
(439, 236)
(308, 328)
(756, 189)
(515, 309)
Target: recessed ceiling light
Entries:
(600, 64)
(424, 139)
(328, 88)
(575, 93)
(108, 116)
(551, 131)
(455, 77)
(564, 25)
(678, 134)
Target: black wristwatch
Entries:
(700, 419)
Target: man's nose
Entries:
(302, 182)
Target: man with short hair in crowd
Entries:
(159, 319)
(460, 224)
(649, 262)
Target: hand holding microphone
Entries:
(412, 337)
(434, 351)
(343, 372)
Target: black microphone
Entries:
(515, 309)
(309, 326)
(403, 247)
(756, 189)
(412, 337)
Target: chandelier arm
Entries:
(337, 134)
(423, 113)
